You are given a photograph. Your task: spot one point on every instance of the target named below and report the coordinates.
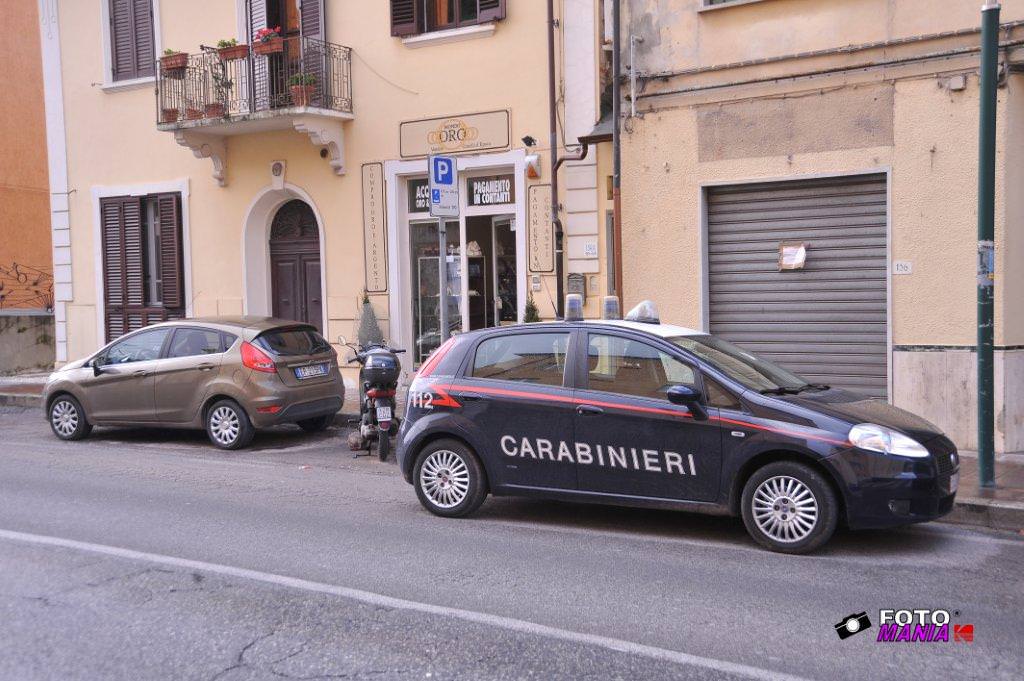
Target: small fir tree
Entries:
(531, 314)
(369, 327)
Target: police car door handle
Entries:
(588, 409)
(471, 396)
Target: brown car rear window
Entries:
(292, 342)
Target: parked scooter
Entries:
(378, 384)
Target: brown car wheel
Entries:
(228, 426)
(67, 418)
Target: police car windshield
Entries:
(740, 365)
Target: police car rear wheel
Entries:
(449, 479)
(789, 507)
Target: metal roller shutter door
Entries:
(827, 322)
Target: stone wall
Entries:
(26, 342)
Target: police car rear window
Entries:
(537, 358)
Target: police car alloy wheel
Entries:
(67, 419)
(789, 507)
(449, 479)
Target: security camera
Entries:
(529, 141)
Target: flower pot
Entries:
(214, 110)
(168, 115)
(301, 94)
(272, 46)
(173, 65)
(233, 52)
(193, 114)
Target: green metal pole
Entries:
(986, 235)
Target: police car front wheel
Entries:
(449, 479)
(789, 507)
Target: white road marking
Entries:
(371, 598)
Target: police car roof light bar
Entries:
(574, 307)
(646, 312)
(610, 308)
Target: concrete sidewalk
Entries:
(999, 508)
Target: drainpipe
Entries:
(986, 231)
(617, 148)
(553, 126)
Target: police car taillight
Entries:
(610, 308)
(574, 307)
(646, 312)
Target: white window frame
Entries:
(109, 84)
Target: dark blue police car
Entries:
(635, 412)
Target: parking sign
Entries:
(444, 187)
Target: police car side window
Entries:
(537, 358)
(629, 367)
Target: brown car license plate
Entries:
(310, 371)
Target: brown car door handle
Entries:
(140, 373)
(204, 367)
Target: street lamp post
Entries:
(986, 230)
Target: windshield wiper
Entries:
(788, 390)
(781, 390)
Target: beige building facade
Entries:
(288, 178)
(808, 173)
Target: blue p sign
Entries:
(443, 170)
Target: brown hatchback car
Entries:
(229, 375)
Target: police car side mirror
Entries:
(690, 398)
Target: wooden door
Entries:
(295, 265)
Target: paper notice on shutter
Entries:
(792, 255)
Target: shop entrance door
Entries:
(490, 271)
(481, 285)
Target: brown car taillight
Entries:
(256, 359)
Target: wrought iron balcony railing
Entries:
(291, 72)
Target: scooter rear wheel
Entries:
(383, 445)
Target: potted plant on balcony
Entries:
(268, 41)
(230, 50)
(302, 85)
(194, 110)
(222, 89)
(173, 63)
(168, 114)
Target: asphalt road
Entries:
(148, 554)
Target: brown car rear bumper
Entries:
(265, 392)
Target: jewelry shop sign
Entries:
(541, 235)
(453, 134)
(374, 229)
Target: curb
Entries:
(20, 400)
(991, 513)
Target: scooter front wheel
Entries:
(383, 445)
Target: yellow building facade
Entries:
(848, 129)
(288, 178)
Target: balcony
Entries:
(303, 84)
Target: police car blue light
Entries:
(639, 413)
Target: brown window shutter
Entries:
(131, 224)
(311, 16)
(132, 45)
(406, 17)
(172, 273)
(490, 10)
(145, 47)
(122, 39)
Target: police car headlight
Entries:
(877, 438)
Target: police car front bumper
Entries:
(888, 491)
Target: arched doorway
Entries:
(295, 264)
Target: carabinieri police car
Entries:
(639, 413)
